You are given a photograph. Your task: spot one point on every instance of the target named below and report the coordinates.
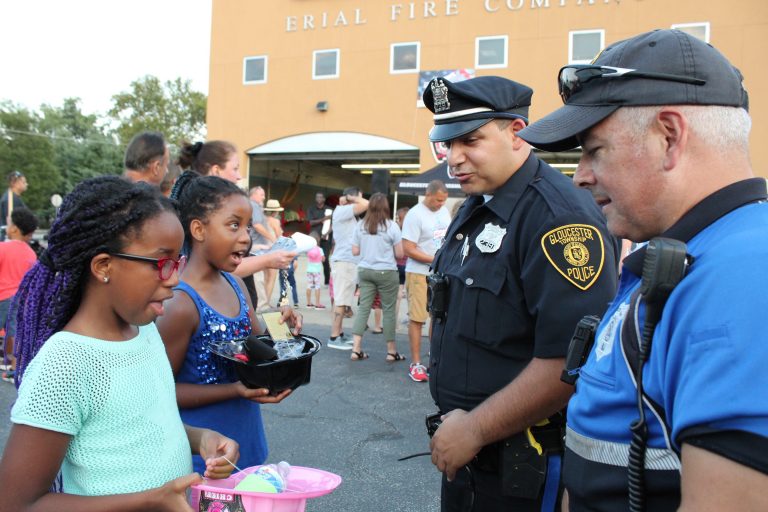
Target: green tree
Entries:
(24, 148)
(82, 147)
(171, 108)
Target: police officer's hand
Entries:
(455, 443)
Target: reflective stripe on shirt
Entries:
(617, 454)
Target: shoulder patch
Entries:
(577, 252)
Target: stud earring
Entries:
(106, 279)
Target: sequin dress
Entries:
(239, 419)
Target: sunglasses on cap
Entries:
(571, 79)
(165, 266)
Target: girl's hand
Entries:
(215, 449)
(282, 259)
(173, 495)
(260, 395)
(292, 318)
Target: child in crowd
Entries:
(315, 259)
(16, 258)
(212, 305)
(96, 397)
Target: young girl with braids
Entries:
(210, 304)
(96, 396)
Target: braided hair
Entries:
(199, 196)
(101, 215)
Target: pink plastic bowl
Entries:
(303, 483)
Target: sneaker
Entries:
(7, 376)
(418, 372)
(319, 306)
(340, 343)
(296, 306)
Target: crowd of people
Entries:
(667, 348)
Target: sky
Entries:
(93, 49)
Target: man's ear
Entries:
(101, 266)
(515, 126)
(197, 230)
(154, 166)
(675, 129)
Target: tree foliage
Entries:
(58, 147)
(171, 108)
(24, 148)
(83, 148)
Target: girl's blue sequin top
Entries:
(201, 365)
(238, 418)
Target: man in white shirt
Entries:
(424, 227)
(343, 262)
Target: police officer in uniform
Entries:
(664, 129)
(525, 258)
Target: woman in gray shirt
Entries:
(377, 240)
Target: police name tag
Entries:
(490, 238)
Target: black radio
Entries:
(437, 295)
(578, 350)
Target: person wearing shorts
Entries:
(423, 229)
(315, 259)
(343, 262)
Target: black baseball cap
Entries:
(662, 67)
(462, 107)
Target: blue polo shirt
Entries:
(706, 367)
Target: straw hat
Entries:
(273, 205)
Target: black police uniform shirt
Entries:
(523, 269)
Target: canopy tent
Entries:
(417, 184)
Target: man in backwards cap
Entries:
(662, 121)
(525, 258)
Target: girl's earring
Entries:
(106, 279)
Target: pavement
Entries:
(355, 419)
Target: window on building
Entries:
(584, 45)
(325, 64)
(700, 30)
(404, 58)
(255, 70)
(491, 52)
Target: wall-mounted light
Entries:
(396, 171)
(380, 166)
(322, 106)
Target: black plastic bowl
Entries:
(279, 375)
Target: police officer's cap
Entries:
(462, 107)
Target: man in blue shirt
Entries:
(663, 125)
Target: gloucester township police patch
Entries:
(577, 252)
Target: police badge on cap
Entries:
(462, 107)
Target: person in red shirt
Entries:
(16, 258)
